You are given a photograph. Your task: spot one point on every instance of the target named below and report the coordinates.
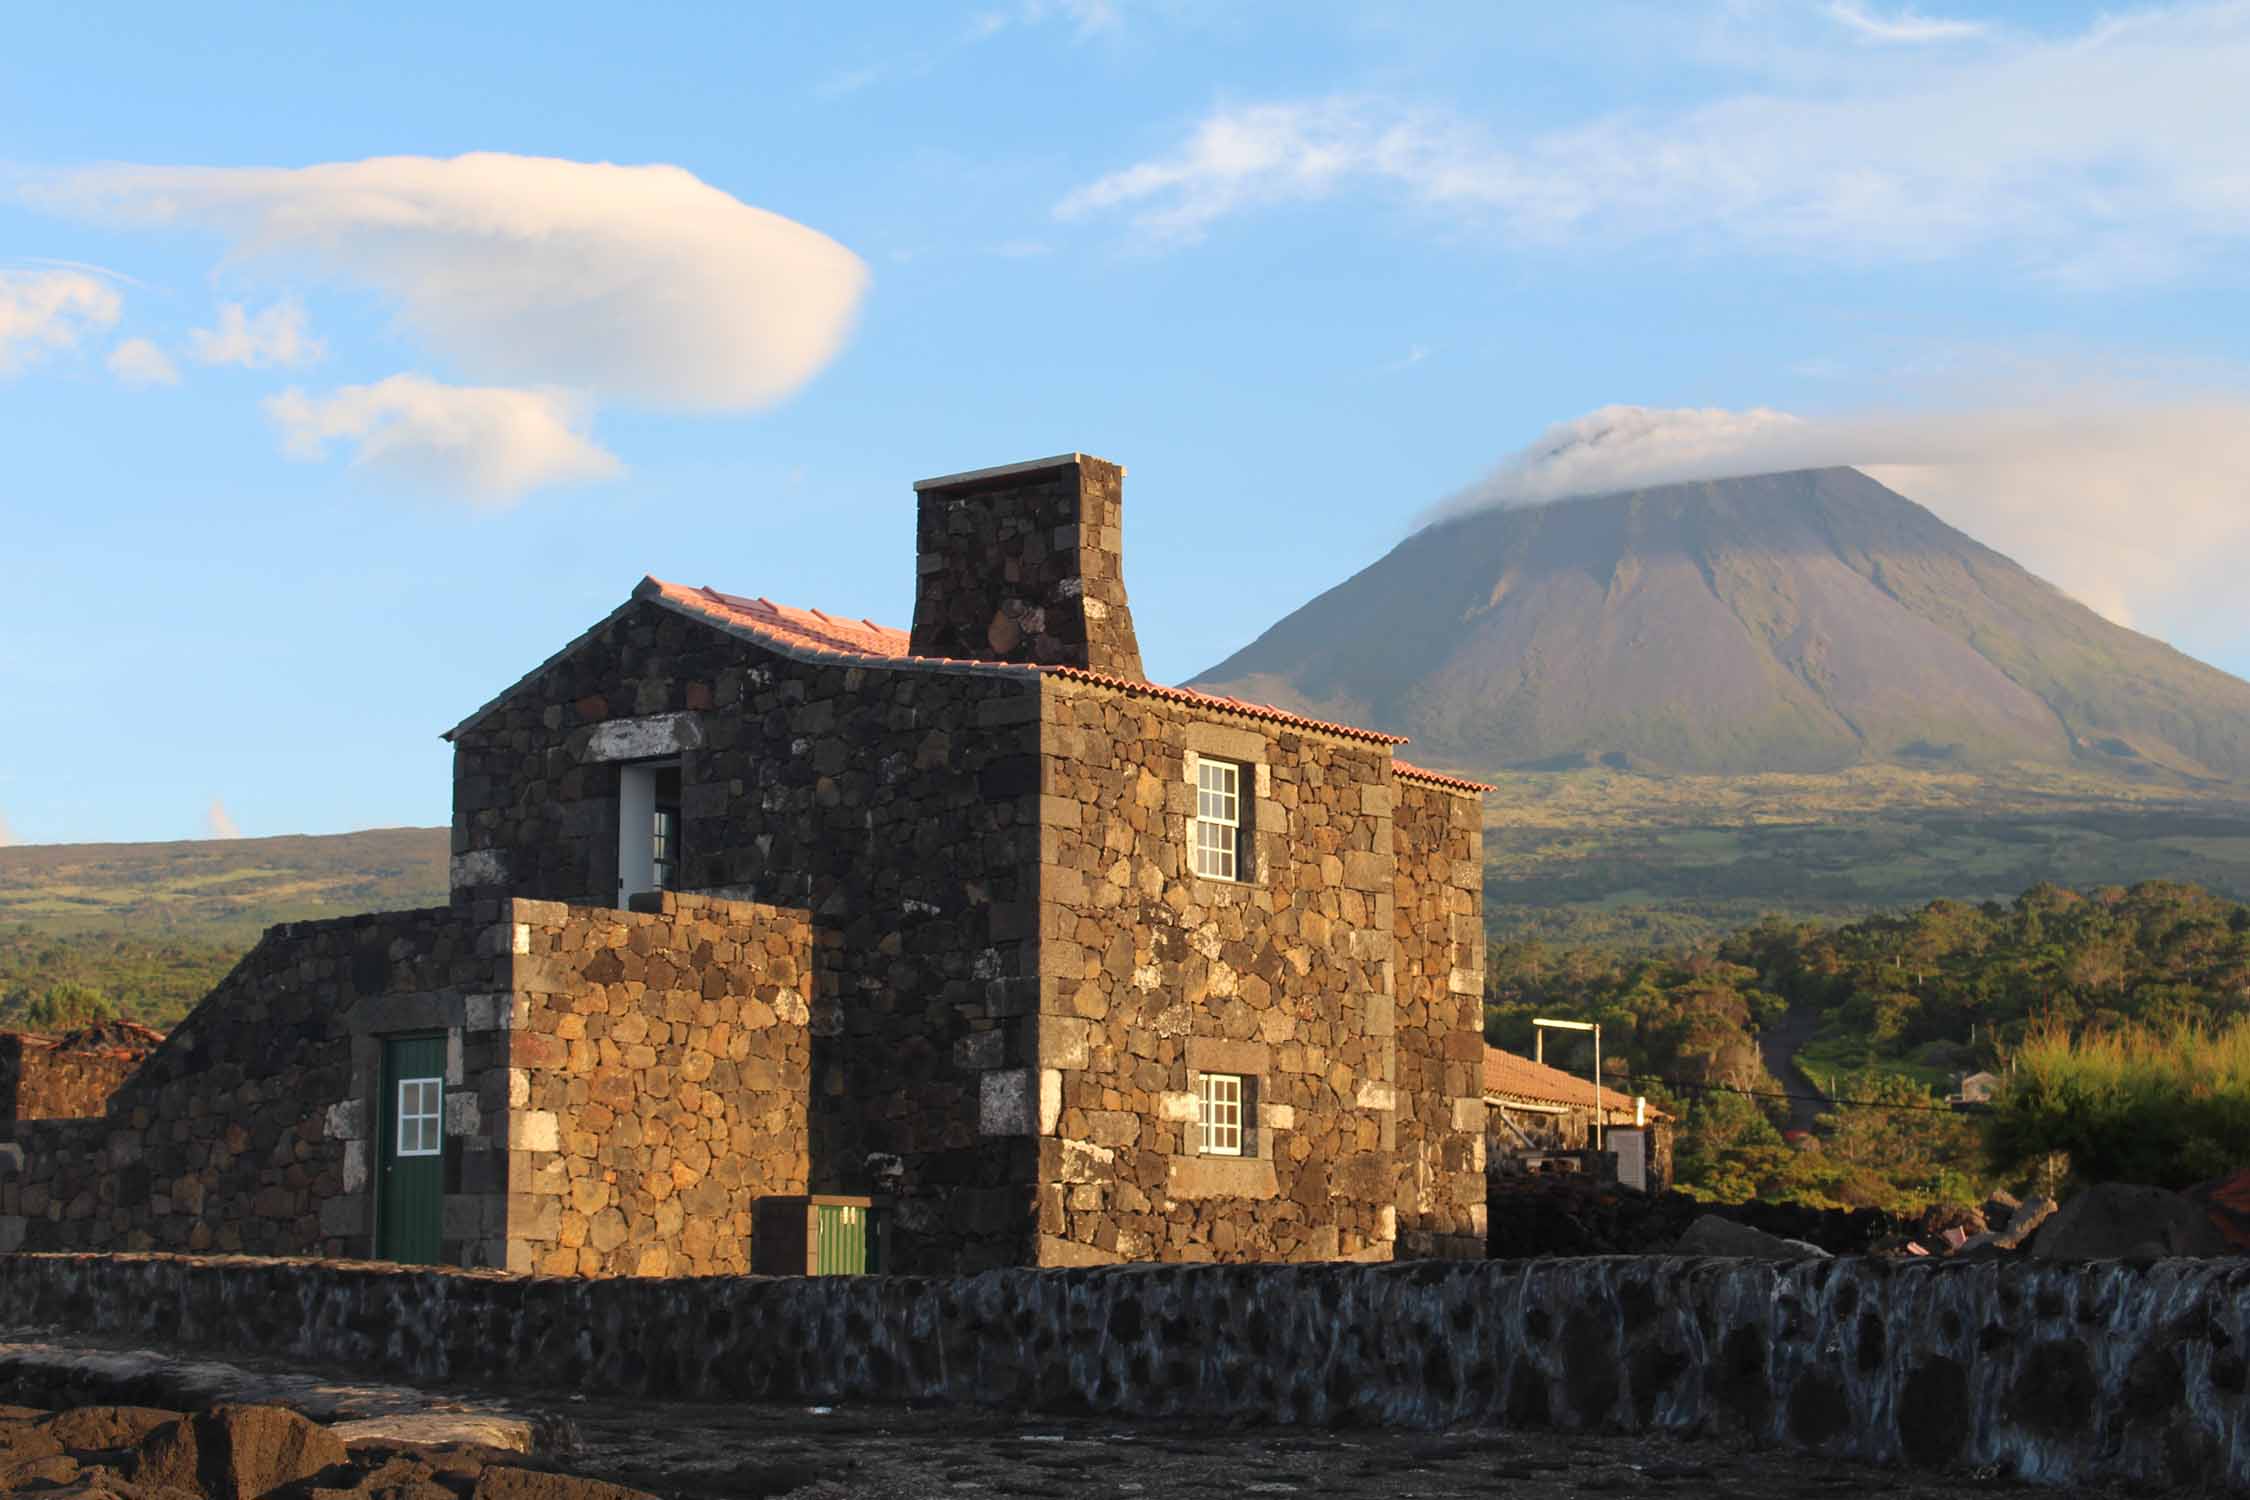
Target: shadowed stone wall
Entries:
(899, 808)
(620, 1087)
(1438, 966)
(2052, 1372)
(246, 1129)
(68, 1077)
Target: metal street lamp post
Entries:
(1539, 1044)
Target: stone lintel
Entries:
(1188, 1177)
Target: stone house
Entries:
(760, 913)
(1537, 1116)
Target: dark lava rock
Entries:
(1712, 1235)
(104, 1429)
(2123, 1221)
(238, 1452)
(502, 1483)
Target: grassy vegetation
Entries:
(2168, 1105)
(1896, 1005)
(149, 928)
(1658, 863)
(219, 890)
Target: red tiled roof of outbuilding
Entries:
(1518, 1077)
(1439, 778)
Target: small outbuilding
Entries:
(1539, 1118)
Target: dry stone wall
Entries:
(2053, 1373)
(68, 1077)
(239, 1132)
(1151, 974)
(897, 807)
(660, 1062)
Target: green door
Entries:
(412, 1191)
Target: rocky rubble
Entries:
(1562, 1215)
(253, 1452)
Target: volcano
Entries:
(1804, 621)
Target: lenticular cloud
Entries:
(640, 283)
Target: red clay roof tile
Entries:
(1517, 1077)
(811, 631)
(1439, 778)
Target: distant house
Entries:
(1976, 1088)
(1535, 1114)
(966, 942)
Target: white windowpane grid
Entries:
(1218, 819)
(1219, 1113)
(419, 1101)
(664, 848)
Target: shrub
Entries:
(2168, 1107)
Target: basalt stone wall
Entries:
(661, 1065)
(1150, 974)
(898, 807)
(68, 1077)
(2054, 1373)
(241, 1131)
(1024, 564)
(1438, 975)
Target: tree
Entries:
(67, 1006)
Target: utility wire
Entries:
(1728, 1088)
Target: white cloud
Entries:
(2141, 509)
(138, 362)
(219, 823)
(2115, 153)
(277, 336)
(636, 282)
(1085, 17)
(493, 443)
(1909, 25)
(44, 311)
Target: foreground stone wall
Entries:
(661, 1060)
(2054, 1373)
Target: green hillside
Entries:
(1631, 861)
(151, 927)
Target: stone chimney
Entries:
(1021, 564)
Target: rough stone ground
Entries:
(871, 1453)
(703, 1451)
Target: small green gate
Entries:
(843, 1241)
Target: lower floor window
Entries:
(1219, 1113)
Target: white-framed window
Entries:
(649, 851)
(420, 1110)
(1218, 820)
(1218, 1113)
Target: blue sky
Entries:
(316, 434)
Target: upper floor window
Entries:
(1218, 819)
(649, 851)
